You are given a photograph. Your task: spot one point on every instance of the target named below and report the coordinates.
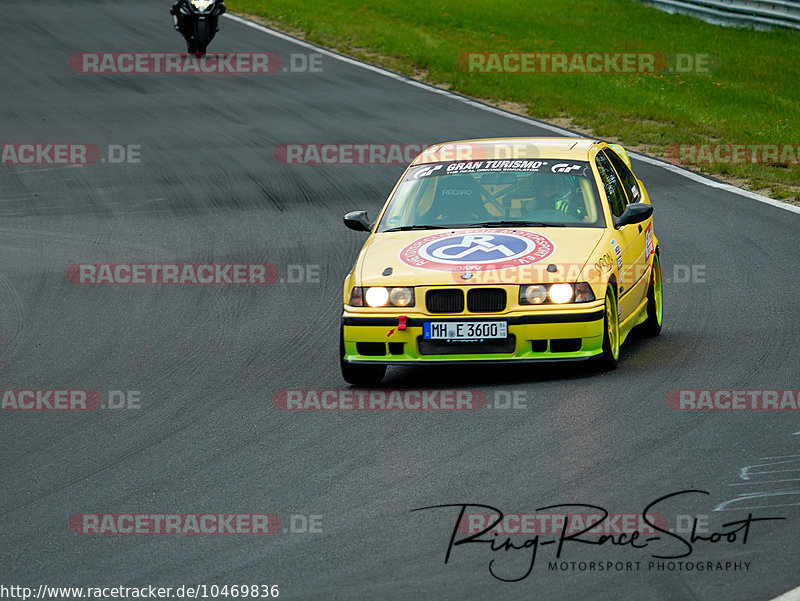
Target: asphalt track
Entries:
(208, 359)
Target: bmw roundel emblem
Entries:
(466, 276)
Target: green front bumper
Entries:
(539, 336)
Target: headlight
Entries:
(378, 296)
(533, 295)
(560, 293)
(201, 5)
(557, 294)
(402, 297)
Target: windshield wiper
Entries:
(408, 228)
(517, 223)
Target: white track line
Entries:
(792, 595)
(491, 109)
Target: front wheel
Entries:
(610, 356)
(655, 301)
(359, 375)
(200, 43)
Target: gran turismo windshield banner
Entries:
(579, 168)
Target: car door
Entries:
(624, 244)
(640, 251)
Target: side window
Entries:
(625, 174)
(611, 185)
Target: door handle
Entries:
(640, 228)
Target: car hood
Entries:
(476, 256)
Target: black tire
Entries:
(201, 44)
(359, 375)
(611, 346)
(655, 301)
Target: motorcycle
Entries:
(197, 21)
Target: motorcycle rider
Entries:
(174, 11)
(182, 8)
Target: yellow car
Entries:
(503, 250)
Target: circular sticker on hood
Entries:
(477, 250)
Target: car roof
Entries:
(508, 148)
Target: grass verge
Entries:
(749, 97)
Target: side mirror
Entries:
(634, 213)
(357, 220)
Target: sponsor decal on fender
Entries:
(618, 252)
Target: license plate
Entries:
(464, 330)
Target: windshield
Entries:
(524, 192)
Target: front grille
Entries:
(486, 300)
(445, 301)
(441, 347)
